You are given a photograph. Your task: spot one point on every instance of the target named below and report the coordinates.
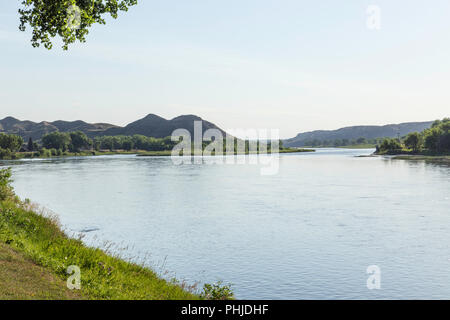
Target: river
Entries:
(308, 232)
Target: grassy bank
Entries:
(441, 159)
(359, 146)
(21, 278)
(37, 155)
(45, 155)
(35, 254)
(424, 155)
(353, 146)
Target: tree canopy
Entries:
(413, 141)
(69, 19)
(435, 140)
(56, 140)
(79, 141)
(10, 142)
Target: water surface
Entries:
(308, 232)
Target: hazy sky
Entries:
(288, 64)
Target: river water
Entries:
(308, 232)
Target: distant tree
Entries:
(361, 140)
(139, 141)
(69, 19)
(107, 143)
(445, 138)
(127, 144)
(96, 144)
(30, 144)
(56, 140)
(79, 141)
(413, 141)
(10, 142)
(432, 138)
(437, 138)
(390, 145)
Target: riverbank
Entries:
(35, 255)
(416, 156)
(24, 279)
(37, 244)
(354, 146)
(163, 153)
(441, 159)
(169, 152)
(49, 154)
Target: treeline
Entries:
(435, 140)
(9, 145)
(75, 142)
(67, 143)
(341, 142)
(135, 142)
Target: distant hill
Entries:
(158, 127)
(27, 129)
(150, 126)
(355, 132)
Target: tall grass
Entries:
(103, 276)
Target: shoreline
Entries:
(425, 156)
(35, 247)
(355, 146)
(169, 153)
(139, 153)
(436, 158)
(28, 235)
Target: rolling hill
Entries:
(150, 126)
(158, 127)
(355, 132)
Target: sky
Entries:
(291, 65)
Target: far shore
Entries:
(421, 156)
(431, 158)
(140, 153)
(169, 152)
(354, 146)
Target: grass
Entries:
(21, 278)
(155, 153)
(424, 155)
(441, 159)
(293, 150)
(35, 254)
(354, 146)
(163, 153)
(359, 146)
(31, 155)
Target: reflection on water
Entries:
(310, 231)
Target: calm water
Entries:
(310, 231)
